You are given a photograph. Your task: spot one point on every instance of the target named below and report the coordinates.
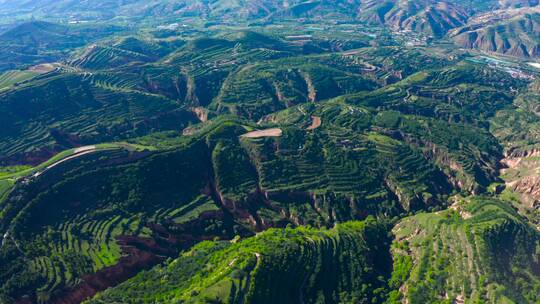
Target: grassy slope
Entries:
(62, 245)
(121, 199)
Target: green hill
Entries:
(123, 51)
(218, 183)
(263, 151)
(35, 42)
(304, 264)
(480, 250)
(66, 110)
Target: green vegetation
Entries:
(305, 264)
(268, 152)
(480, 251)
(55, 235)
(65, 111)
(193, 181)
(14, 78)
(36, 42)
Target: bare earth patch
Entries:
(188, 131)
(202, 113)
(315, 123)
(84, 149)
(464, 214)
(522, 175)
(274, 132)
(44, 68)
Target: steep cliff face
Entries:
(521, 173)
(520, 166)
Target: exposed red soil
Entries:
(202, 113)
(139, 253)
(315, 123)
(32, 158)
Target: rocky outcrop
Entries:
(522, 175)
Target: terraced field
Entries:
(155, 97)
(119, 52)
(479, 250)
(74, 244)
(366, 172)
(33, 42)
(236, 174)
(69, 110)
(519, 132)
(301, 262)
(318, 155)
(13, 78)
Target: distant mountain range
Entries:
(513, 32)
(503, 26)
(393, 11)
